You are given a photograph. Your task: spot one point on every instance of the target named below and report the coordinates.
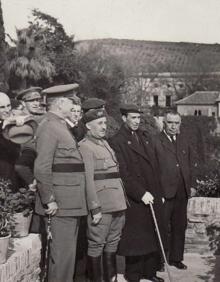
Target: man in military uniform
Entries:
(32, 99)
(106, 220)
(138, 170)
(59, 171)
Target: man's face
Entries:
(33, 106)
(66, 106)
(5, 106)
(76, 113)
(97, 127)
(132, 120)
(172, 124)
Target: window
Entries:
(156, 100)
(168, 101)
(195, 113)
(213, 114)
(199, 112)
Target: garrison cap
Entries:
(92, 103)
(93, 114)
(29, 94)
(65, 90)
(130, 108)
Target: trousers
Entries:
(106, 234)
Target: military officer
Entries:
(59, 171)
(32, 99)
(106, 220)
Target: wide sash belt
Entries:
(66, 167)
(110, 175)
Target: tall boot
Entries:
(94, 269)
(109, 267)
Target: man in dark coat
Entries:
(175, 160)
(138, 171)
(9, 151)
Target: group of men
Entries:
(77, 172)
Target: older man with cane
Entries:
(138, 169)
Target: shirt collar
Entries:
(169, 137)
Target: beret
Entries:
(20, 134)
(93, 114)
(29, 94)
(130, 108)
(92, 103)
(65, 90)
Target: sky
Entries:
(160, 20)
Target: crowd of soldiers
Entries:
(57, 147)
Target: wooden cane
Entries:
(160, 241)
(47, 251)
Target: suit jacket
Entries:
(174, 160)
(138, 170)
(56, 146)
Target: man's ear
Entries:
(88, 126)
(124, 118)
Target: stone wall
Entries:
(203, 231)
(23, 260)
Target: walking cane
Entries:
(47, 250)
(160, 241)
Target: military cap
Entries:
(20, 134)
(93, 114)
(65, 90)
(92, 103)
(130, 108)
(29, 94)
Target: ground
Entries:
(200, 268)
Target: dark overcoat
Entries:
(172, 160)
(9, 152)
(139, 174)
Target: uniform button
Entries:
(177, 165)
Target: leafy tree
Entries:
(58, 46)
(101, 76)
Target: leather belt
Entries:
(65, 167)
(102, 176)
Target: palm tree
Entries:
(28, 64)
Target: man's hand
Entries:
(148, 198)
(52, 208)
(192, 192)
(33, 186)
(17, 120)
(96, 218)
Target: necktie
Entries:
(173, 139)
(135, 137)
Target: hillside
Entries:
(155, 56)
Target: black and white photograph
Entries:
(109, 141)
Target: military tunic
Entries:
(104, 186)
(59, 173)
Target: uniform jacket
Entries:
(172, 160)
(56, 146)
(100, 160)
(138, 169)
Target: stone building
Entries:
(206, 103)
